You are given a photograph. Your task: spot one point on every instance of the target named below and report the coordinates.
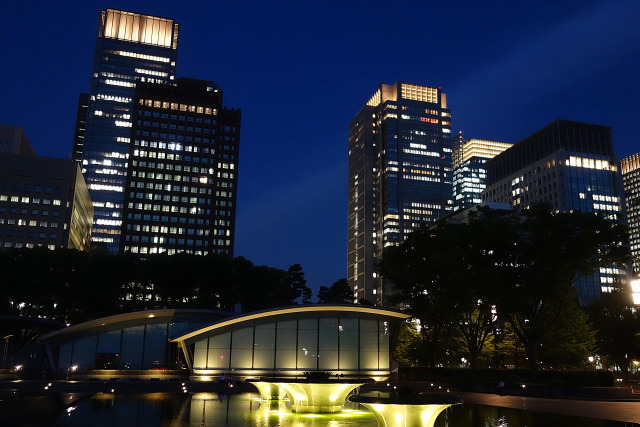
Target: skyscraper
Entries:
(570, 166)
(399, 175)
(181, 181)
(469, 171)
(631, 182)
(130, 47)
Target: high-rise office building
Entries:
(469, 171)
(181, 181)
(399, 176)
(570, 166)
(81, 124)
(631, 182)
(14, 140)
(130, 47)
(43, 202)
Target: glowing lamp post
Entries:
(6, 350)
(635, 291)
(71, 369)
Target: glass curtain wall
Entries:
(339, 345)
(131, 347)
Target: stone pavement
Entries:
(628, 411)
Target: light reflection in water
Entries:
(246, 409)
(212, 409)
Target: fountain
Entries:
(316, 393)
(406, 408)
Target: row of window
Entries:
(23, 245)
(169, 198)
(174, 219)
(178, 242)
(174, 230)
(27, 188)
(195, 169)
(171, 156)
(165, 240)
(175, 209)
(179, 127)
(155, 250)
(169, 187)
(29, 234)
(180, 117)
(28, 222)
(169, 166)
(26, 199)
(173, 146)
(24, 211)
(165, 125)
(170, 177)
(177, 106)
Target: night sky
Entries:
(300, 71)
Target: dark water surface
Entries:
(245, 409)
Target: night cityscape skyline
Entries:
(300, 77)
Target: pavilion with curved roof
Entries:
(346, 340)
(136, 341)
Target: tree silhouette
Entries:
(524, 264)
(338, 293)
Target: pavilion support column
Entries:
(188, 357)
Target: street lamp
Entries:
(6, 350)
(71, 369)
(635, 291)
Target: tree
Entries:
(409, 350)
(571, 340)
(295, 281)
(338, 293)
(75, 286)
(551, 252)
(524, 264)
(618, 328)
(508, 350)
(447, 275)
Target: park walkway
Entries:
(628, 411)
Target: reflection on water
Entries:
(198, 409)
(247, 409)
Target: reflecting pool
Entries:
(247, 409)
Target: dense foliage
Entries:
(338, 293)
(618, 330)
(468, 282)
(74, 286)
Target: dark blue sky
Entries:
(301, 70)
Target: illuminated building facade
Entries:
(81, 124)
(43, 202)
(14, 140)
(570, 166)
(130, 342)
(180, 190)
(129, 47)
(399, 175)
(469, 171)
(631, 181)
(348, 340)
